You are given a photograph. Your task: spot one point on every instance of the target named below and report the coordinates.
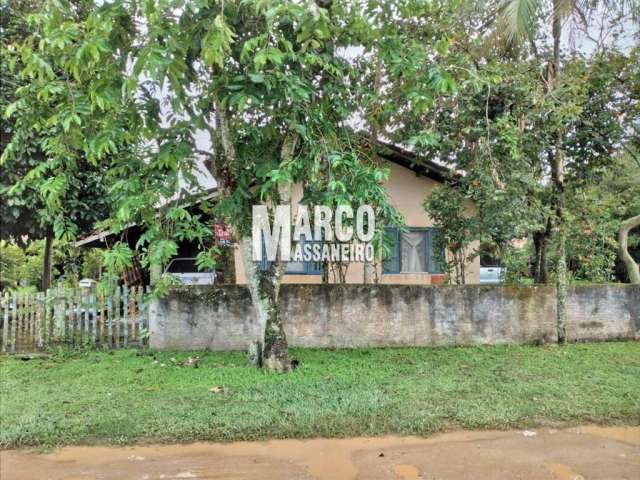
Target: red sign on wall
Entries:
(222, 235)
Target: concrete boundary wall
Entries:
(222, 318)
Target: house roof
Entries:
(392, 153)
(410, 160)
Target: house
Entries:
(413, 261)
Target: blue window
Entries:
(305, 268)
(412, 251)
(295, 268)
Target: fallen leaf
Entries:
(216, 390)
(189, 362)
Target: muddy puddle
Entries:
(570, 454)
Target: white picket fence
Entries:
(36, 321)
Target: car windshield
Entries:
(182, 265)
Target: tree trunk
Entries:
(275, 355)
(271, 348)
(459, 266)
(561, 239)
(540, 243)
(623, 240)
(558, 182)
(251, 270)
(48, 259)
(561, 281)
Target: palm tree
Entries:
(519, 19)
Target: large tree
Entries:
(273, 84)
(529, 21)
(501, 129)
(24, 213)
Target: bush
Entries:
(23, 267)
(517, 261)
(12, 260)
(92, 263)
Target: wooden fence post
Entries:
(125, 315)
(73, 317)
(102, 307)
(26, 336)
(61, 317)
(32, 323)
(117, 315)
(132, 316)
(48, 323)
(17, 333)
(94, 319)
(5, 322)
(39, 330)
(146, 313)
(110, 321)
(14, 320)
(140, 298)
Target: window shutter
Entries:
(311, 267)
(392, 263)
(433, 264)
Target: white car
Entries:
(492, 274)
(186, 271)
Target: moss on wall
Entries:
(221, 317)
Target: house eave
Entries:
(410, 160)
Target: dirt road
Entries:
(545, 454)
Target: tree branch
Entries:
(623, 239)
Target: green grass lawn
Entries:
(120, 397)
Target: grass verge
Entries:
(121, 397)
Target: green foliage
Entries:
(38, 188)
(12, 260)
(516, 260)
(23, 266)
(207, 259)
(265, 80)
(105, 101)
(521, 20)
(31, 270)
(92, 263)
(118, 257)
(505, 131)
(17, 215)
(597, 212)
(452, 213)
